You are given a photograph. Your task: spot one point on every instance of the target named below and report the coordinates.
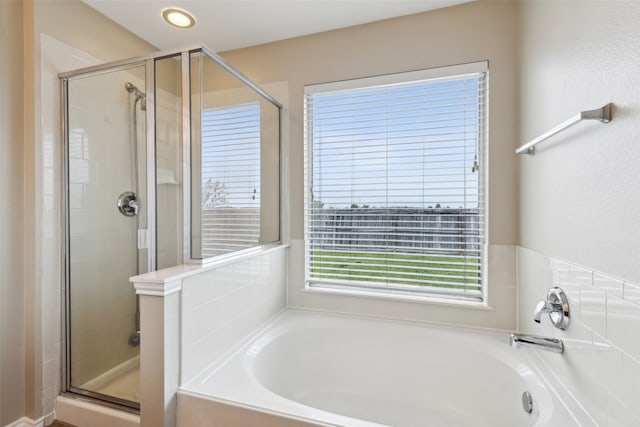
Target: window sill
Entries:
(398, 297)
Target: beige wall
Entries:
(29, 218)
(579, 194)
(484, 30)
(80, 26)
(467, 33)
(12, 339)
(578, 191)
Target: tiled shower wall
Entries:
(222, 305)
(601, 364)
(102, 241)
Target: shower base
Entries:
(122, 382)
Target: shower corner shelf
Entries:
(602, 114)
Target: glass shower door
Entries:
(107, 231)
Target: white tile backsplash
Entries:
(601, 363)
(619, 414)
(623, 325)
(501, 280)
(630, 395)
(632, 292)
(607, 363)
(221, 306)
(608, 284)
(593, 308)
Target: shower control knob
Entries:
(134, 204)
(128, 204)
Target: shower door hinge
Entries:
(143, 239)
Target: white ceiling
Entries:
(231, 24)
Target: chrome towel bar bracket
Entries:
(602, 114)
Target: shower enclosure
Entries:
(169, 159)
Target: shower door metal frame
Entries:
(189, 257)
(148, 63)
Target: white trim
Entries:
(399, 78)
(389, 295)
(351, 89)
(167, 287)
(168, 280)
(50, 417)
(27, 422)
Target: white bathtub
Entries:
(307, 368)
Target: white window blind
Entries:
(394, 178)
(230, 178)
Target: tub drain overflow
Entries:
(527, 402)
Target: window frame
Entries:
(383, 289)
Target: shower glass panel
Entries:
(169, 159)
(107, 214)
(235, 152)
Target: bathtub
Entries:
(307, 368)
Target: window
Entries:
(230, 178)
(395, 182)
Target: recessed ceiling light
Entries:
(178, 17)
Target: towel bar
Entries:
(603, 114)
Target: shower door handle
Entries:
(128, 204)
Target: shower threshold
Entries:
(122, 381)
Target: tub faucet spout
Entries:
(554, 345)
(545, 307)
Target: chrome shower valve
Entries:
(557, 306)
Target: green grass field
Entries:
(405, 269)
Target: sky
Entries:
(404, 145)
(397, 146)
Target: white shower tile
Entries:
(186, 322)
(623, 324)
(632, 292)
(608, 284)
(620, 415)
(234, 305)
(241, 273)
(630, 390)
(223, 281)
(534, 278)
(201, 287)
(266, 262)
(593, 309)
(204, 317)
(202, 353)
(604, 377)
(579, 352)
(576, 372)
(244, 297)
(579, 278)
(560, 272)
(255, 267)
(607, 363)
(502, 265)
